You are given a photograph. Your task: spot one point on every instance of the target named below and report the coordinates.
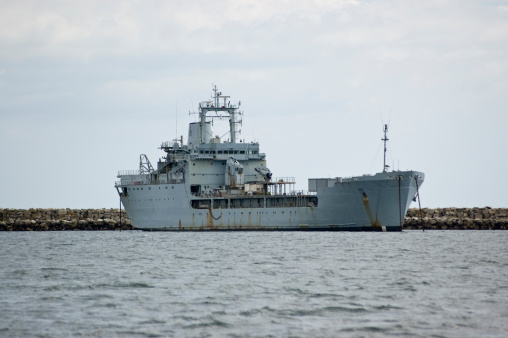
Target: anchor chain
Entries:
(400, 207)
(419, 204)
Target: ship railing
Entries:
(217, 194)
(128, 172)
(291, 193)
(300, 192)
(283, 180)
(125, 182)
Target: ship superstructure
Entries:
(215, 184)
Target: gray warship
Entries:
(209, 184)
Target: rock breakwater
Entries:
(457, 219)
(63, 219)
(109, 219)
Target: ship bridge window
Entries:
(242, 151)
(220, 152)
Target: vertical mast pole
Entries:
(384, 156)
(232, 125)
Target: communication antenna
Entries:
(385, 166)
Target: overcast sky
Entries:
(88, 86)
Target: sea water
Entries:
(254, 284)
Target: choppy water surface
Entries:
(434, 283)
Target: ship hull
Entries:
(364, 203)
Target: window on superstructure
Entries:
(242, 151)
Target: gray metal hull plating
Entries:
(364, 203)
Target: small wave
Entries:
(369, 329)
(108, 305)
(343, 309)
(304, 312)
(51, 299)
(123, 285)
(325, 295)
(132, 333)
(152, 321)
(97, 296)
(387, 307)
(18, 273)
(488, 261)
(55, 288)
(207, 323)
(54, 269)
(184, 257)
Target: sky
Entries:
(88, 86)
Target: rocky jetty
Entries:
(457, 219)
(63, 219)
(109, 219)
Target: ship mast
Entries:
(385, 166)
(220, 106)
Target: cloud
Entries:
(318, 76)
